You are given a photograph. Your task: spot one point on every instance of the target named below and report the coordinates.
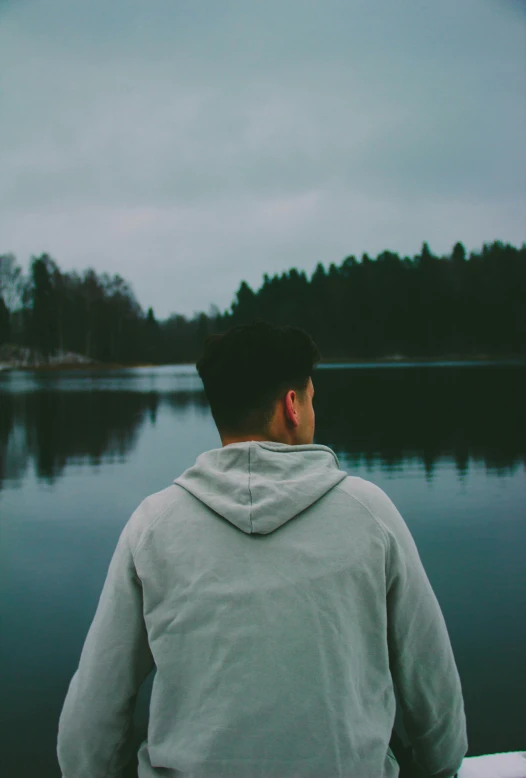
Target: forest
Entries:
(458, 305)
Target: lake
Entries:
(79, 450)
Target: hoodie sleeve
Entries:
(95, 727)
(420, 653)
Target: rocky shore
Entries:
(17, 357)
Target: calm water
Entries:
(78, 451)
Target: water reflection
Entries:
(379, 416)
(389, 417)
(49, 429)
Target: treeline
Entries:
(417, 306)
(53, 312)
(424, 305)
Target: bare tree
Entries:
(11, 282)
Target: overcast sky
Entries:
(190, 144)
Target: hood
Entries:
(259, 486)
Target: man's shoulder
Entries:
(378, 504)
(368, 493)
(150, 511)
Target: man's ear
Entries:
(290, 408)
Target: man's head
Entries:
(257, 379)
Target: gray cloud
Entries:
(188, 145)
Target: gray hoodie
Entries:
(280, 601)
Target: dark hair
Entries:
(245, 369)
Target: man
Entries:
(280, 601)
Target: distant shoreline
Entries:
(328, 361)
(401, 358)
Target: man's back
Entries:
(278, 598)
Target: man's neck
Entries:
(227, 440)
